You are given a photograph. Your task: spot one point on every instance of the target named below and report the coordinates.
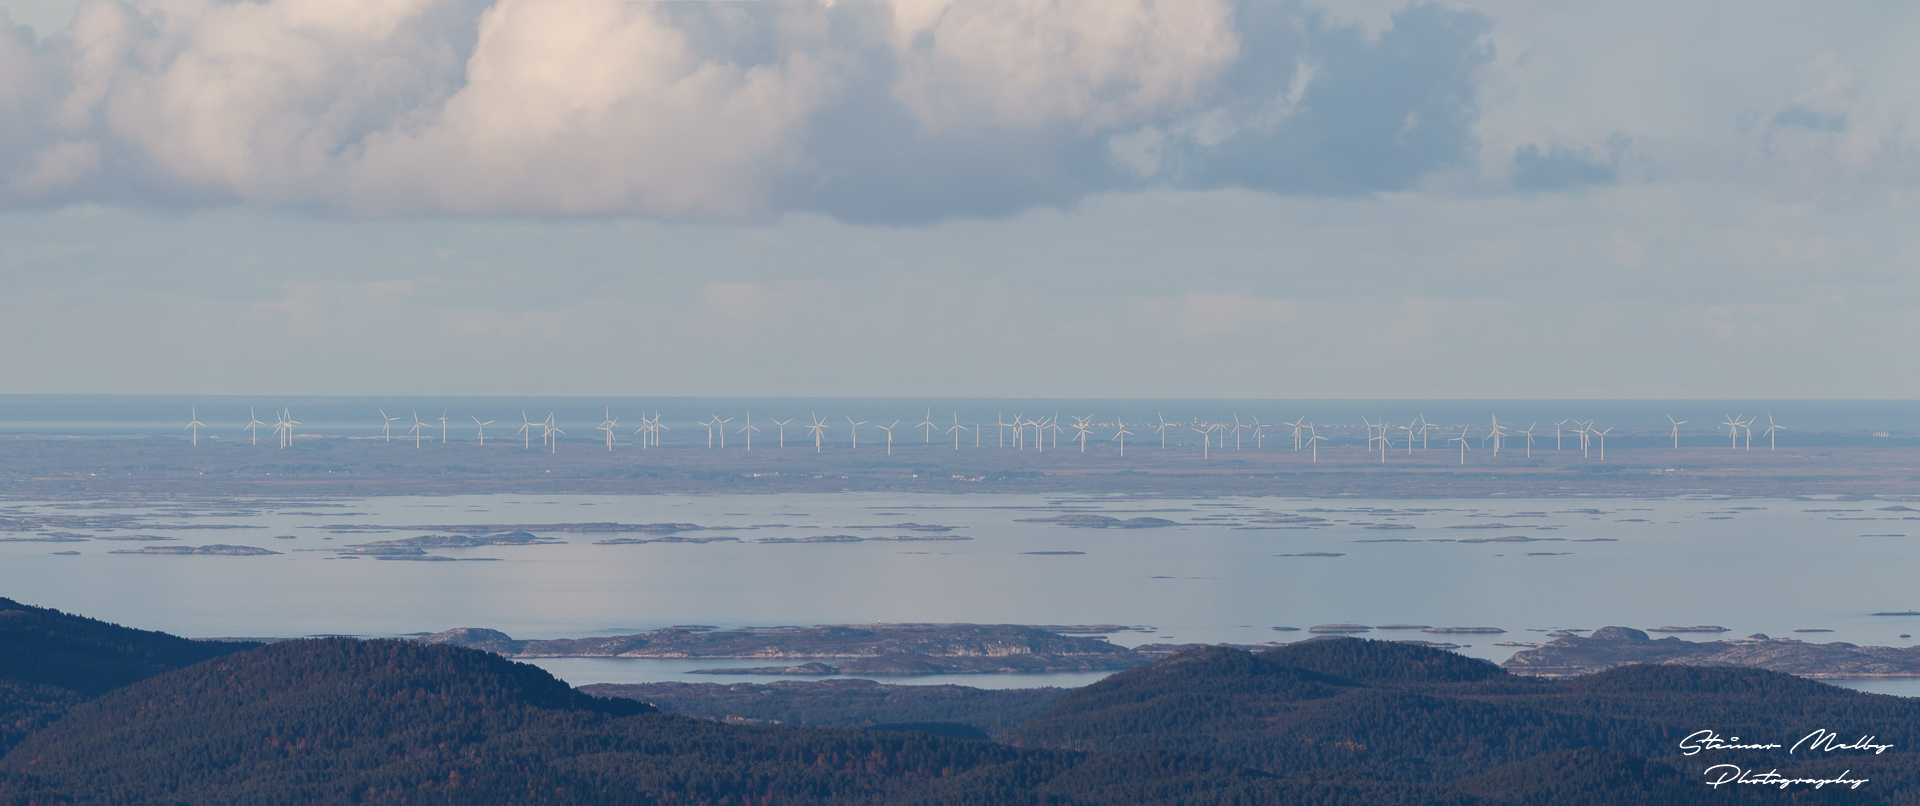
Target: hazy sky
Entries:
(945, 198)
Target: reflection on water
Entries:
(1528, 566)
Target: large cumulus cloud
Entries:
(867, 110)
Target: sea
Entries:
(1243, 570)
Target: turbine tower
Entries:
(443, 426)
(1676, 430)
(195, 426)
(818, 429)
(749, 430)
(928, 426)
(253, 425)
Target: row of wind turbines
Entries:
(1305, 434)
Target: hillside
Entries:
(50, 661)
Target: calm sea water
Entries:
(1807, 421)
(1771, 566)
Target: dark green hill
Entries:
(1423, 715)
(50, 661)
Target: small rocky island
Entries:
(1619, 646)
(234, 551)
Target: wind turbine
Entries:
(783, 429)
(1603, 441)
(1586, 436)
(1772, 429)
(749, 430)
(483, 428)
(443, 426)
(1464, 447)
(1162, 428)
(928, 425)
(1733, 431)
(195, 426)
(722, 424)
(1297, 425)
(818, 429)
(553, 434)
(1081, 424)
(1676, 430)
(854, 429)
(1556, 432)
(1529, 433)
(1495, 435)
(1206, 440)
(284, 428)
(1121, 437)
(1001, 421)
(957, 430)
(611, 422)
(526, 431)
(1260, 435)
(657, 428)
(1748, 427)
(1424, 427)
(1053, 424)
(1237, 426)
(889, 430)
(280, 428)
(1313, 441)
(253, 425)
(416, 433)
(386, 429)
(1370, 432)
(711, 424)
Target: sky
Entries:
(935, 198)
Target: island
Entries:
(216, 548)
(1609, 647)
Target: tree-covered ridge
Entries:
(1432, 722)
(43, 646)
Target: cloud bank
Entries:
(882, 111)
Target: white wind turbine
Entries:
(889, 430)
(611, 422)
(1297, 425)
(928, 425)
(285, 427)
(1053, 424)
(749, 430)
(657, 428)
(722, 425)
(526, 431)
(818, 429)
(443, 426)
(711, 424)
(1586, 436)
(386, 429)
(1237, 427)
(783, 429)
(1313, 441)
(1413, 430)
(1772, 429)
(1464, 447)
(253, 425)
(1121, 437)
(1424, 428)
(1162, 428)
(1529, 433)
(416, 432)
(1001, 421)
(1206, 440)
(280, 428)
(1676, 430)
(482, 428)
(1259, 435)
(854, 429)
(958, 430)
(1556, 432)
(1603, 441)
(1080, 424)
(553, 434)
(1748, 427)
(195, 426)
(1733, 431)
(1496, 434)
(1371, 436)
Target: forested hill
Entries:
(1326, 722)
(49, 661)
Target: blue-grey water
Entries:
(1752, 565)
